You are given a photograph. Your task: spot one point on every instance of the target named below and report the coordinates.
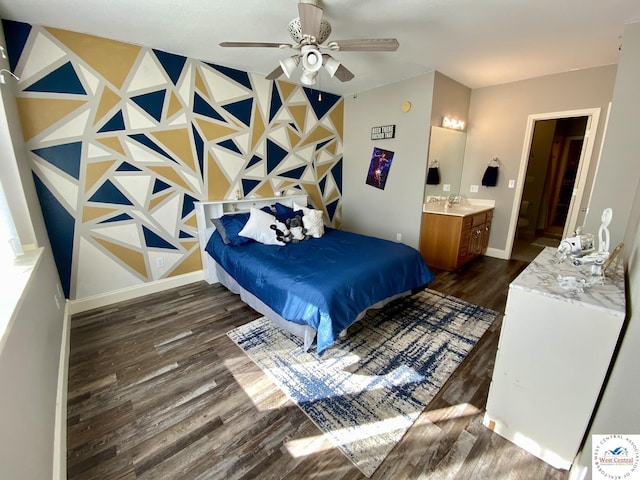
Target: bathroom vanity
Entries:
(452, 235)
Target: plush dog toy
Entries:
(295, 226)
(283, 234)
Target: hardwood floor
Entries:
(158, 391)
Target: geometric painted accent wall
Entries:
(123, 139)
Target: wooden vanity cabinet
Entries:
(450, 241)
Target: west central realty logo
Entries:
(616, 457)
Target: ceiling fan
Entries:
(309, 32)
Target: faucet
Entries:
(453, 200)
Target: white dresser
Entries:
(555, 347)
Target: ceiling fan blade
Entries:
(365, 45)
(256, 44)
(310, 18)
(275, 74)
(343, 74)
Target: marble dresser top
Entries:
(573, 284)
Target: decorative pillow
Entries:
(312, 221)
(229, 227)
(259, 228)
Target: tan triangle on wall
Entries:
(265, 190)
(91, 213)
(110, 58)
(113, 143)
(129, 257)
(322, 169)
(179, 142)
(257, 128)
(294, 138)
(38, 114)
(334, 196)
(192, 263)
(201, 85)
(314, 195)
(175, 105)
(170, 174)
(95, 172)
(154, 202)
(108, 100)
(188, 244)
(191, 221)
(337, 117)
(214, 131)
(331, 147)
(286, 89)
(299, 114)
(318, 134)
(217, 183)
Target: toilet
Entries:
(523, 220)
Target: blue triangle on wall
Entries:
(61, 80)
(336, 171)
(276, 102)
(184, 234)
(187, 205)
(153, 240)
(322, 144)
(255, 159)
(172, 64)
(248, 185)
(321, 184)
(118, 218)
(238, 75)
(202, 107)
(16, 35)
(67, 157)
(159, 186)
(230, 145)
(151, 103)
(241, 110)
(199, 143)
(60, 229)
(275, 155)
(127, 167)
(147, 142)
(321, 107)
(331, 209)
(109, 193)
(116, 123)
(295, 173)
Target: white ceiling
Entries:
(476, 42)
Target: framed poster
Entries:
(379, 167)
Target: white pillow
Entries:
(312, 220)
(258, 227)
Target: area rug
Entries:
(546, 242)
(366, 390)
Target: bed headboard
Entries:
(205, 211)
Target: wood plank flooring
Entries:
(158, 391)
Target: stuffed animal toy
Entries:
(283, 234)
(295, 226)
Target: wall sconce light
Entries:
(452, 123)
(2, 72)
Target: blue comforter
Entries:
(324, 282)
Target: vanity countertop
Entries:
(459, 210)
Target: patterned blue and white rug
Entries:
(366, 390)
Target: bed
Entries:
(316, 288)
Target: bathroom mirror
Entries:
(446, 146)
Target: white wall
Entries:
(618, 186)
(498, 118)
(397, 208)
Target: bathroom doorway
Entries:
(553, 180)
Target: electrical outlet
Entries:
(160, 262)
(446, 187)
(474, 189)
(399, 237)
(512, 184)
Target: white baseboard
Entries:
(497, 253)
(60, 428)
(104, 299)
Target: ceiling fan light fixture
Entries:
(311, 58)
(289, 64)
(330, 64)
(308, 77)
